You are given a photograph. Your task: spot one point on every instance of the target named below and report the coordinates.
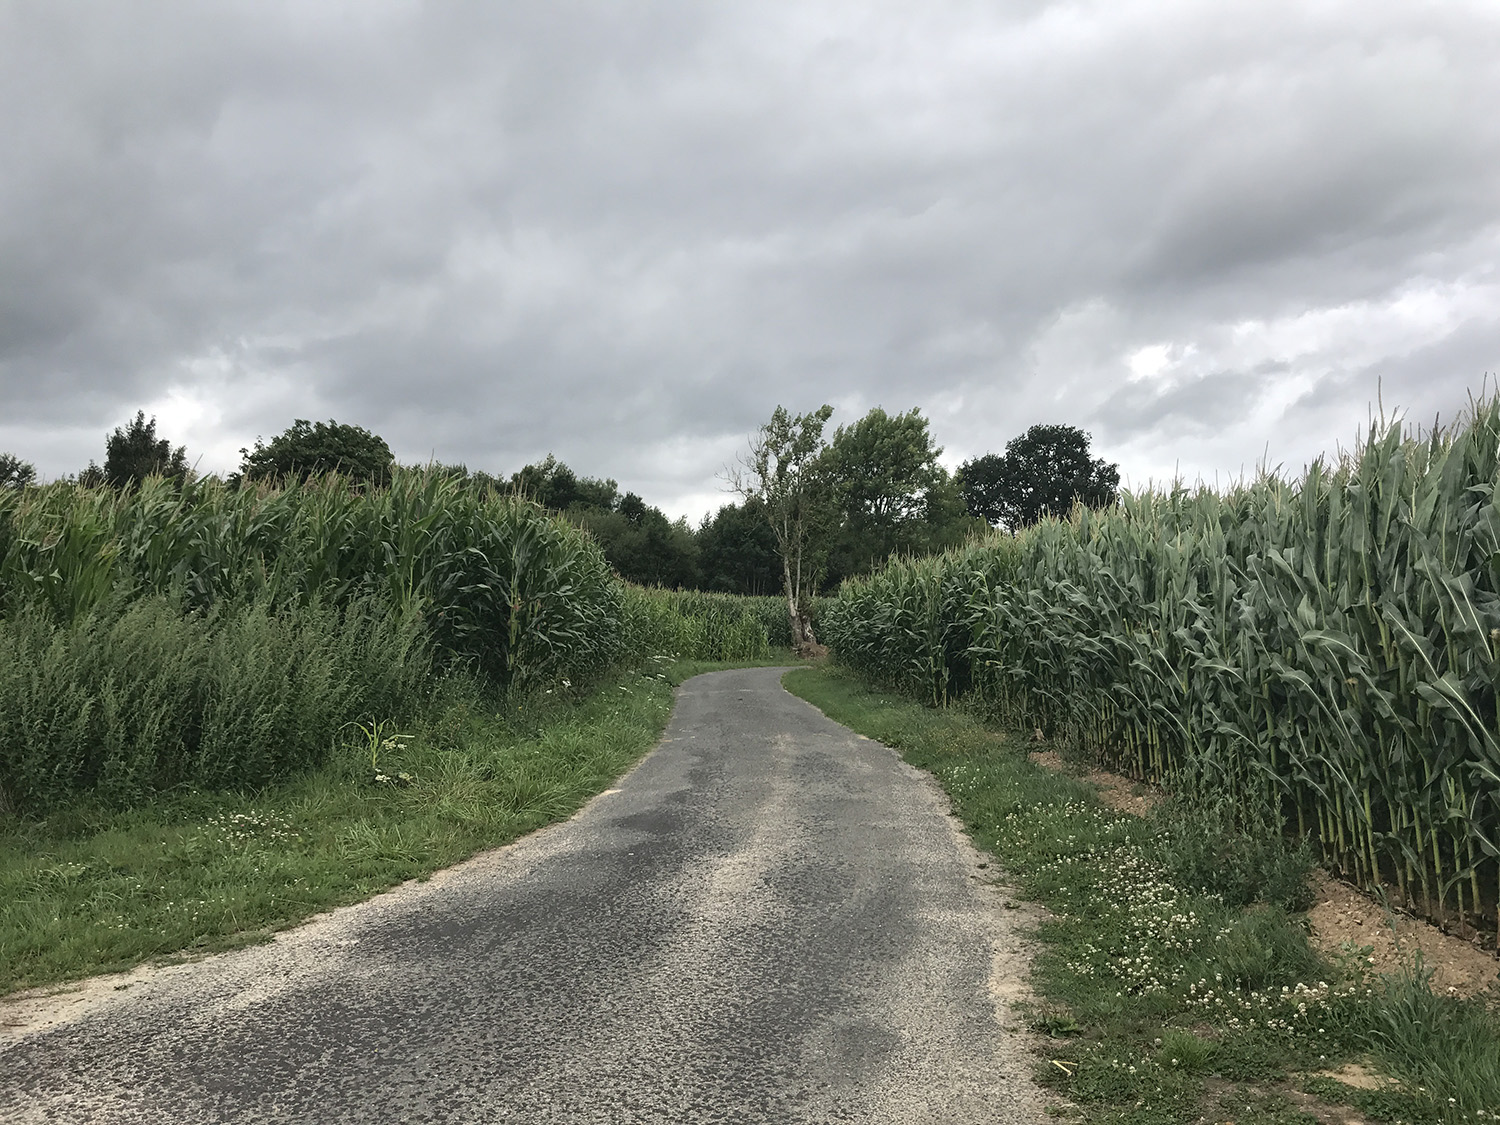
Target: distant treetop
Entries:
(309, 449)
(134, 452)
(553, 485)
(1042, 472)
(15, 473)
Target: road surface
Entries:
(771, 919)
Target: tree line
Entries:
(811, 509)
(842, 506)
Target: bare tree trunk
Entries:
(791, 603)
(807, 630)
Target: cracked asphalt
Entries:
(771, 919)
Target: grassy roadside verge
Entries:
(88, 891)
(1164, 1001)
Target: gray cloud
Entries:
(625, 234)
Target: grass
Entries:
(1160, 1001)
(90, 890)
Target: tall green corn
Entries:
(504, 587)
(103, 593)
(1333, 642)
(697, 626)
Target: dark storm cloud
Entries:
(625, 234)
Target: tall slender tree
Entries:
(780, 472)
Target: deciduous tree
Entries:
(883, 465)
(642, 544)
(307, 449)
(891, 493)
(15, 473)
(780, 472)
(737, 551)
(134, 452)
(1044, 471)
(553, 485)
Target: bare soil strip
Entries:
(1344, 921)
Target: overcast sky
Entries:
(623, 233)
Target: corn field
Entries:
(1331, 644)
(499, 583)
(699, 626)
(321, 594)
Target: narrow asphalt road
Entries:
(770, 920)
